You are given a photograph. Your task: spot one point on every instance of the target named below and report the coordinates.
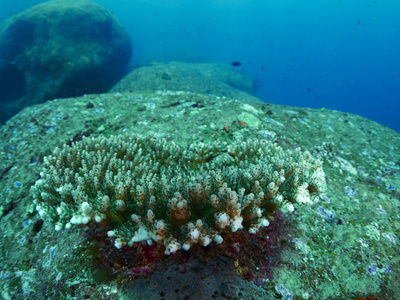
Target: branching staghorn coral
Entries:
(149, 190)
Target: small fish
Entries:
(262, 68)
(236, 64)
(358, 22)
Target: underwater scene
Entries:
(199, 149)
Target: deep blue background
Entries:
(342, 55)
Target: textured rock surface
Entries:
(204, 78)
(59, 49)
(171, 281)
(344, 247)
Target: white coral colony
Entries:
(148, 190)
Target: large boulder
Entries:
(346, 246)
(59, 49)
(205, 78)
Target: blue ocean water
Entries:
(335, 54)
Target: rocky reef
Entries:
(342, 247)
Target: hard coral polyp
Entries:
(149, 190)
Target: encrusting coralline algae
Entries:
(143, 189)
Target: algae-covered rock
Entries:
(59, 49)
(205, 78)
(343, 247)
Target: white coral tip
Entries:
(119, 243)
(98, 218)
(76, 220)
(58, 227)
(186, 246)
(236, 224)
(263, 222)
(205, 240)
(194, 234)
(86, 208)
(218, 239)
(85, 219)
(172, 247)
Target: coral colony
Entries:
(144, 189)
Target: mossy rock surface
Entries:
(344, 247)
